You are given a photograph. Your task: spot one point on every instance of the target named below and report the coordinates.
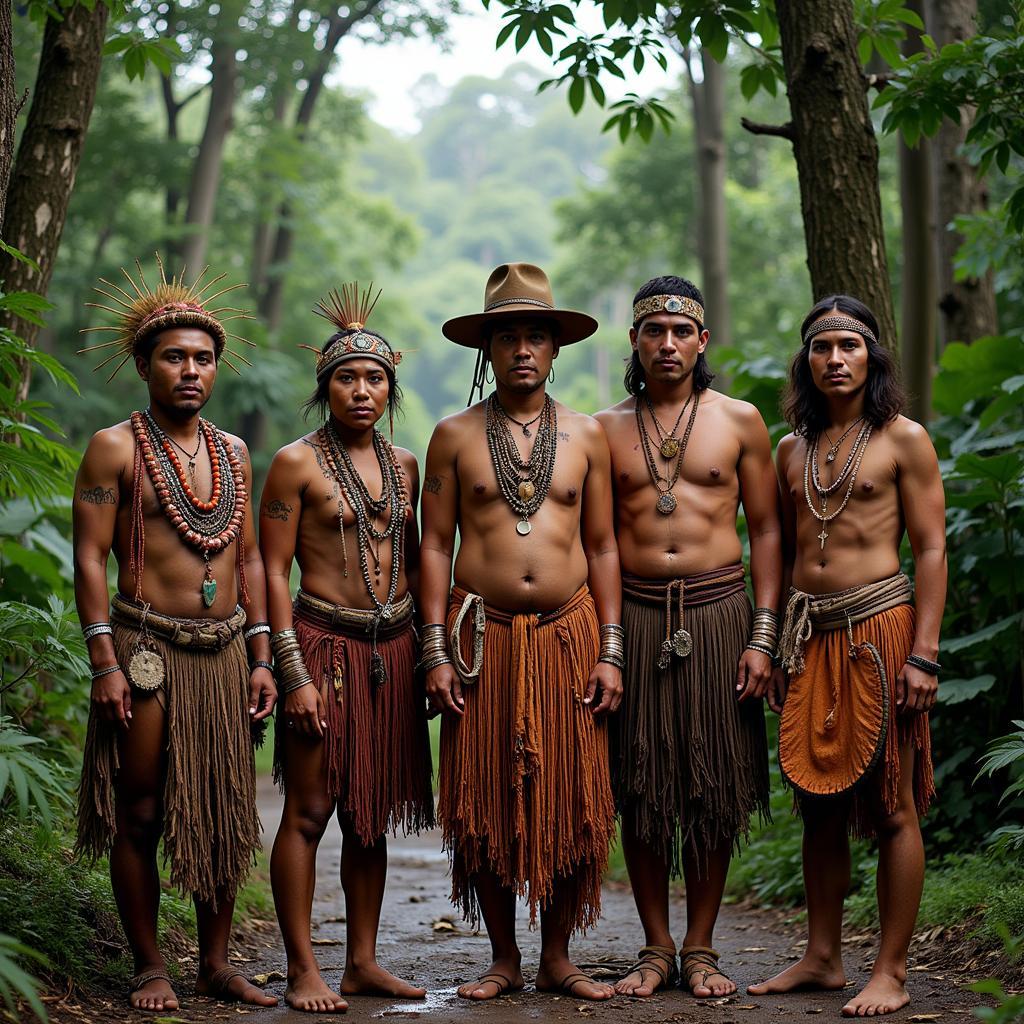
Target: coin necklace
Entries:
(669, 446)
(666, 503)
(847, 475)
(523, 483)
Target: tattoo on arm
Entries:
(277, 509)
(98, 495)
(433, 484)
(563, 436)
(239, 451)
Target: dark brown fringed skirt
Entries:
(689, 762)
(211, 829)
(524, 790)
(377, 750)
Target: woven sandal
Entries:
(217, 984)
(140, 981)
(503, 984)
(567, 985)
(702, 961)
(655, 959)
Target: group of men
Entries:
(589, 641)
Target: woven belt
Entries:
(340, 619)
(209, 634)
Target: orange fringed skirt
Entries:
(832, 751)
(524, 787)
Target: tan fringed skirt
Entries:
(377, 750)
(523, 788)
(211, 829)
(689, 762)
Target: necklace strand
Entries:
(666, 503)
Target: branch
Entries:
(783, 131)
(198, 91)
(878, 82)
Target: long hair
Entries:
(635, 379)
(319, 400)
(805, 407)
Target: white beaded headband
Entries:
(670, 304)
(839, 323)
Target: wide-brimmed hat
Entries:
(512, 291)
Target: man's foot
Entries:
(882, 994)
(231, 985)
(806, 973)
(372, 980)
(700, 973)
(151, 990)
(562, 976)
(655, 968)
(501, 978)
(311, 994)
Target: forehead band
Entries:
(838, 323)
(669, 304)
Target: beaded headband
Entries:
(670, 304)
(170, 304)
(349, 311)
(838, 323)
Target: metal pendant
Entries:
(146, 669)
(682, 643)
(526, 490)
(523, 527)
(209, 592)
(669, 447)
(666, 503)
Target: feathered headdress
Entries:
(145, 311)
(349, 310)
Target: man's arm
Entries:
(604, 577)
(924, 511)
(787, 517)
(411, 540)
(759, 495)
(440, 511)
(94, 518)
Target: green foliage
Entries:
(1007, 752)
(14, 982)
(28, 781)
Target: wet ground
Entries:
(423, 940)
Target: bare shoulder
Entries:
(580, 425)
(241, 450)
(786, 447)
(910, 440)
(616, 416)
(407, 461)
(454, 427)
(743, 414)
(297, 455)
(111, 443)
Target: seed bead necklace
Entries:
(847, 475)
(523, 483)
(666, 503)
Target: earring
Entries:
(551, 375)
(488, 369)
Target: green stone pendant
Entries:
(209, 592)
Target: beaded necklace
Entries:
(207, 526)
(847, 475)
(666, 503)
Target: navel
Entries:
(527, 579)
(822, 564)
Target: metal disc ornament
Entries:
(526, 490)
(682, 643)
(666, 503)
(146, 669)
(669, 447)
(523, 527)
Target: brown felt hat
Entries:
(512, 290)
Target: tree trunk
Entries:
(836, 156)
(918, 310)
(202, 196)
(8, 103)
(50, 151)
(712, 234)
(968, 307)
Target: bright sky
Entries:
(387, 73)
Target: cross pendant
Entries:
(823, 536)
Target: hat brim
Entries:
(468, 330)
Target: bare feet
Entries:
(231, 985)
(655, 968)
(562, 976)
(310, 993)
(700, 973)
(806, 973)
(501, 978)
(882, 994)
(154, 994)
(372, 980)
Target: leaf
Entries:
(963, 643)
(956, 691)
(576, 95)
(18, 255)
(864, 49)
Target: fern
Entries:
(15, 981)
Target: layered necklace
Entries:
(848, 475)
(670, 448)
(523, 482)
(207, 526)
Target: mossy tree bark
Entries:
(8, 104)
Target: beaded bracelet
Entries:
(255, 629)
(762, 648)
(933, 668)
(105, 671)
(261, 664)
(96, 629)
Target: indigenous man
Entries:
(689, 760)
(860, 663)
(169, 750)
(515, 655)
(352, 727)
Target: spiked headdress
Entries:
(143, 312)
(349, 310)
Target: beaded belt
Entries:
(211, 634)
(338, 618)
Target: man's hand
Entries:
(777, 686)
(262, 693)
(444, 690)
(753, 675)
(916, 691)
(112, 698)
(608, 679)
(304, 711)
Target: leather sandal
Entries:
(702, 961)
(654, 959)
(503, 984)
(217, 984)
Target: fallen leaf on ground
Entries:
(921, 1018)
(266, 979)
(340, 919)
(754, 949)
(326, 942)
(444, 924)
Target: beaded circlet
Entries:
(207, 526)
(523, 482)
(847, 475)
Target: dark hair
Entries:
(635, 379)
(804, 406)
(319, 400)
